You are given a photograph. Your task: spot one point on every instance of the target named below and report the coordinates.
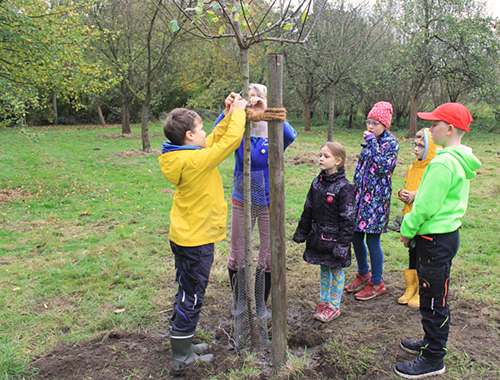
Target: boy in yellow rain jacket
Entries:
(198, 215)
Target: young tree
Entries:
(248, 23)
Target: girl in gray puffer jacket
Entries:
(327, 224)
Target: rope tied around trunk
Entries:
(269, 114)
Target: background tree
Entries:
(43, 47)
(342, 42)
(437, 40)
(140, 47)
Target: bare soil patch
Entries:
(138, 153)
(311, 158)
(365, 340)
(7, 195)
(123, 135)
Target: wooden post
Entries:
(277, 212)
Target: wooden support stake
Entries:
(277, 212)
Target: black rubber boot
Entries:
(262, 295)
(238, 286)
(232, 278)
(183, 351)
(267, 289)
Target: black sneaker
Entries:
(412, 346)
(419, 368)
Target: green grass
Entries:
(85, 232)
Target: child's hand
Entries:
(411, 197)
(366, 133)
(403, 194)
(238, 104)
(229, 101)
(407, 196)
(404, 240)
(258, 104)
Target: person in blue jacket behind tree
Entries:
(259, 199)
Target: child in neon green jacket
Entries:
(433, 225)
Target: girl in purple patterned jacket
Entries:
(372, 181)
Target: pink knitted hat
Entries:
(382, 112)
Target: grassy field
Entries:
(84, 232)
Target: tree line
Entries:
(129, 61)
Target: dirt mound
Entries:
(311, 158)
(114, 355)
(7, 195)
(123, 135)
(363, 343)
(138, 153)
(311, 132)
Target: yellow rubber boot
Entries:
(415, 300)
(411, 280)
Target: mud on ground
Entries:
(363, 343)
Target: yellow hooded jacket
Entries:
(199, 211)
(416, 170)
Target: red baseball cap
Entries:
(455, 114)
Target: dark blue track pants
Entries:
(192, 271)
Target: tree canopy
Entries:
(145, 57)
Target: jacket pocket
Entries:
(433, 281)
(326, 242)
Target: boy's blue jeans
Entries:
(376, 255)
(192, 271)
(435, 253)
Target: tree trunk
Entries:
(247, 208)
(101, 117)
(125, 110)
(307, 116)
(146, 145)
(54, 106)
(351, 115)
(331, 112)
(415, 100)
(399, 115)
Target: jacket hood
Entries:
(169, 147)
(173, 159)
(465, 157)
(430, 148)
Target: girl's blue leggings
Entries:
(376, 255)
(331, 285)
